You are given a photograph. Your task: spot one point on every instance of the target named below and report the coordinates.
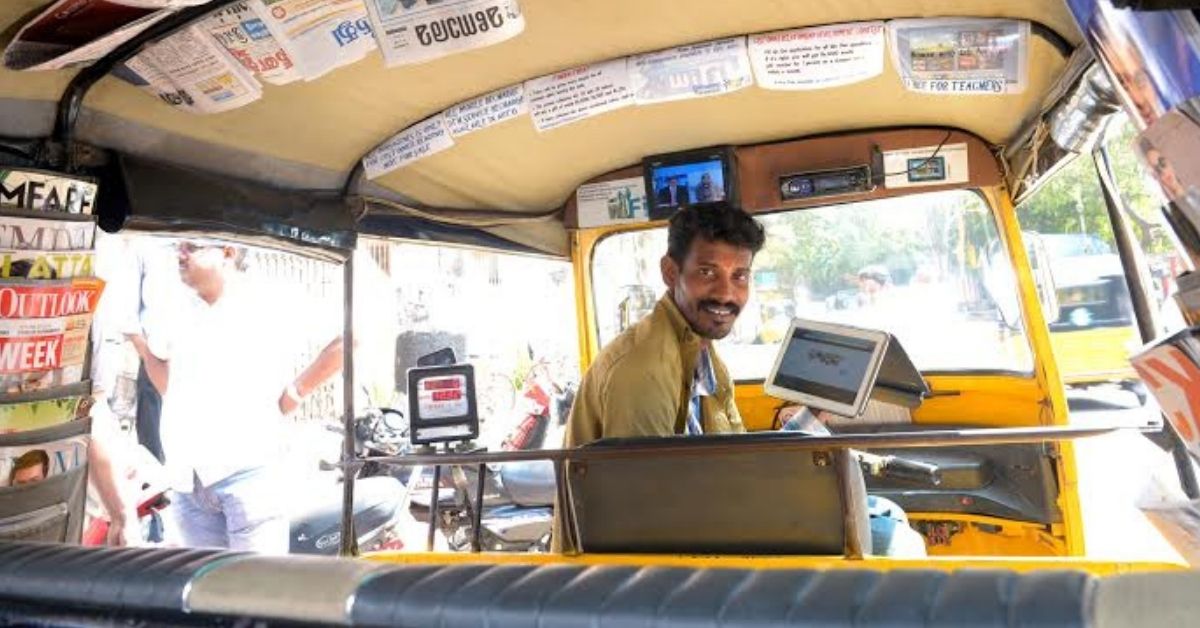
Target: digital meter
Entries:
(441, 404)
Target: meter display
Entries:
(441, 404)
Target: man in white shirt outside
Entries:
(226, 385)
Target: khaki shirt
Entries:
(641, 383)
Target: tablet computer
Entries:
(827, 366)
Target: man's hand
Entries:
(124, 530)
(156, 368)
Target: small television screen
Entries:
(827, 366)
(690, 178)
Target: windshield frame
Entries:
(593, 324)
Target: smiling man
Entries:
(662, 376)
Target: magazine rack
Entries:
(51, 510)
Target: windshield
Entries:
(1075, 245)
(918, 267)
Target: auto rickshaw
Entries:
(860, 134)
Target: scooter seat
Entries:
(529, 483)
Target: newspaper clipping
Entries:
(33, 463)
(319, 36)
(46, 265)
(416, 142)
(572, 95)
(38, 190)
(820, 57)
(612, 202)
(191, 71)
(705, 69)
(247, 39)
(36, 234)
(961, 56)
(413, 31)
(76, 32)
(37, 410)
(480, 113)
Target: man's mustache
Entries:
(732, 307)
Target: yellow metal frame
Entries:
(1094, 567)
(998, 400)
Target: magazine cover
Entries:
(25, 299)
(33, 463)
(16, 264)
(40, 234)
(32, 411)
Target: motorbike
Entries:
(518, 498)
(316, 513)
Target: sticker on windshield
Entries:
(612, 202)
(815, 58)
(412, 144)
(578, 93)
(414, 31)
(961, 56)
(928, 165)
(480, 113)
(694, 71)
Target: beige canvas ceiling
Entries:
(312, 134)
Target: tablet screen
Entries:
(825, 365)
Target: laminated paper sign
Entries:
(480, 113)
(37, 190)
(416, 142)
(579, 93)
(961, 56)
(612, 202)
(705, 69)
(815, 58)
(413, 31)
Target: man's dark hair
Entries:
(713, 224)
(31, 458)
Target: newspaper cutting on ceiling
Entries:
(694, 71)
(71, 33)
(961, 56)
(572, 95)
(246, 37)
(414, 31)
(189, 70)
(817, 58)
(318, 35)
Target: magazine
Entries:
(43, 190)
(23, 298)
(191, 71)
(41, 409)
(33, 463)
(39, 234)
(71, 33)
(15, 264)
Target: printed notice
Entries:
(929, 165)
(416, 142)
(815, 58)
(612, 202)
(961, 56)
(489, 109)
(413, 31)
(706, 69)
(579, 93)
